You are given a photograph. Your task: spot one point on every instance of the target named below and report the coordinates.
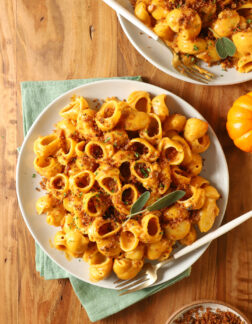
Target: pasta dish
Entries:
(214, 31)
(96, 164)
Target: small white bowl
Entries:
(213, 305)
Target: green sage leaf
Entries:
(167, 200)
(225, 47)
(139, 204)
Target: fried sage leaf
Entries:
(139, 204)
(167, 200)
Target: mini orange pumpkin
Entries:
(239, 122)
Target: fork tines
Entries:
(136, 282)
(194, 73)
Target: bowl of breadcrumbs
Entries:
(208, 312)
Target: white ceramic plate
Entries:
(158, 55)
(215, 169)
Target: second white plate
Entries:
(158, 55)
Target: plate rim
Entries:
(51, 104)
(123, 22)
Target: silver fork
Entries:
(148, 274)
(146, 278)
(193, 71)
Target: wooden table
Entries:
(67, 39)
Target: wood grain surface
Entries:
(66, 39)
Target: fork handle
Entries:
(121, 10)
(213, 235)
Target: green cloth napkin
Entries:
(98, 302)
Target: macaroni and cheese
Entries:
(191, 28)
(96, 164)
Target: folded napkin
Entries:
(98, 302)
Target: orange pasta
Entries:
(193, 30)
(96, 169)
